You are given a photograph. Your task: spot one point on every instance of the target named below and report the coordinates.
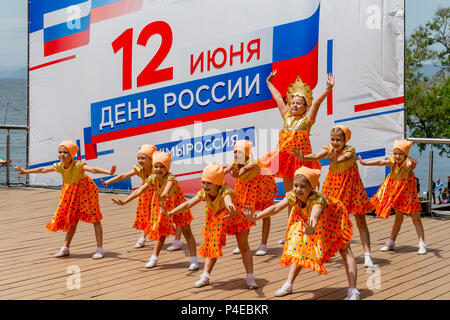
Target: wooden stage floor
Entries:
(28, 269)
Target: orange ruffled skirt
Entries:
(160, 225)
(78, 201)
(347, 187)
(217, 227)
(281, 162)
(257, 193)
(400, 195)
(143, 208)
(333, 233)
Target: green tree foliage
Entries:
(428, 100)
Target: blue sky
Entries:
(13, 26)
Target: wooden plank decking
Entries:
(29, 271)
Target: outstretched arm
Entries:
(270, 211)
(182, 207)
(312, 113)
(99, 170)
(35, 170)
(276, 94)
(246, 168)
(136, 193)
(373, 163)
(310, 157)
(119, 177)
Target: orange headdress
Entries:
(312, 175)
(403, 145)
(213, 173)
(147, 149)
(71, 146)
(162, 157)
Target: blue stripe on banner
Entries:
(119, 185)
(67, 28)
(102, 3)
(181, 100)
(79, 147)
(40, 7)
(330, 56)
(207, 145)
(365, 155)
(87, 135)
(369, 115)
(49, 163)
(296, 39)
(371, 191)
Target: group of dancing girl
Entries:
(318, 224)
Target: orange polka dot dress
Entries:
(160, 225)
(217, 226)
(78, 200)
(255, 190)
(398, 191)
(333, 232)
(343, 182)
(295, 134)
(145, 199)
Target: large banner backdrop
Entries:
(189, 76)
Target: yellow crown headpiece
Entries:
(299, 88)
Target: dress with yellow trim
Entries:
(216, 225)
(255, 190)
(78, 200)
(398, 191)
(295, 134)
(333, 232)
(145, 199)
(343, 182)
(159, 224)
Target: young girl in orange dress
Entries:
(79, 197)
(299, 115)
(169, 194)
(255, 190)
(143, 169)
(343, 181)
(318, 227)
(223, 216)
(399, 192)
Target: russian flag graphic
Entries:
(67, 28)
(66, 23)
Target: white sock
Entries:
(367, 254)
(422, 244)
(193, 259)
(390, 243)
(141, 239)
(262, 247)
(205, 275)
(250, 276)
(154, 258)
(352, 291)
(176, 242)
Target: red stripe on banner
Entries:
(180, 122)
(115, 9)
(188, 173)
(330, 103)
(379, 104)
(66, 43)
(288, 70)
(52, 62)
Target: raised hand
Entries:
(103, 182)
(21, 170)
(118, 201)
(248, 213)
(412, 164)
(297, 153)
(271, 75)
(164, 211)
(330, 81)
(231, 209)
(113, 170)
(361, 160)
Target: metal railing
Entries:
(430, 141)
(8, 148)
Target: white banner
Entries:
(189, 77)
